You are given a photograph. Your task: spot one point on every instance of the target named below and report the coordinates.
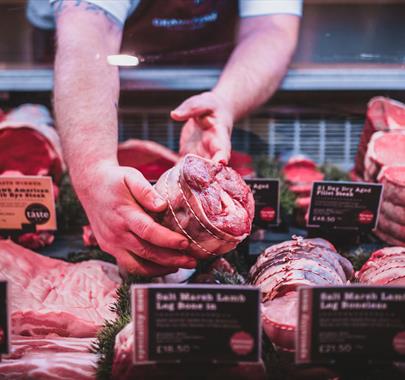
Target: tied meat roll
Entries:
(207, 202)
(281, 269)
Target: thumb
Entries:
(191, 108)
(144, 193)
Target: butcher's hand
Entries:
(114, 200)
(208, 126)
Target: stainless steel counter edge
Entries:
(298, 79)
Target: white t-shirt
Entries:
(40, 12)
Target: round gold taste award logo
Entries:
(37, 213)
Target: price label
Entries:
(345, 205)
(27, 201)
(4, 319)
(351, 324)
(199, 323)
(266, 192)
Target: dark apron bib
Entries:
(182, 31)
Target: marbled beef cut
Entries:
(384, 149)
(209, 203)
(281, 269)
(383, 114)
(50, 296)
(385, 267)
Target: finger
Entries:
(220, 149)
(221, 157)
(193, 107)
(146, 228)
(162, 256)
(130, 264)
(206, 122)
(144, 192)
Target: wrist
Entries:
(227, 106)
(85, 178)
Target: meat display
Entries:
(385, 267)
(30, 146)
(281, 269)
(150, 158)
(209, 203)
(383, 114)
(380, 153)
(50, 296)
(299, 174)
(391, 223)
(52, 358)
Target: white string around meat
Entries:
(178, 222)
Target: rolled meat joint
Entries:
(385, 267)
(207, 202)
(281, 269)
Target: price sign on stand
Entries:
(266, 192)
(345, 205)
(351, 325)
(4, 319)
(199, 323)
(27, 204)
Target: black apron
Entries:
(182, 31)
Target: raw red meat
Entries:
(50, 296)
(242, 163)
(301, 171)
(28, 145)
(391, 228)
(281, 269)
(52, 358)
(383, 114)
(89, 240)
(384, 149)
(385, 267)
(209, 203)
(150, 158)
(36, 240)
(393, 179)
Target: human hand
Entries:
(208, 126)
(114, 199)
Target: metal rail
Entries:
(195, 79)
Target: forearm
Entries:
(256, 66)
(85, 97)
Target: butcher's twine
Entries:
(178, 222)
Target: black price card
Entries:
(199, 323)
(348, 205)
(351, 324)
(266, 193)
(4, 319)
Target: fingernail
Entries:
(159, 202)
(184, 244)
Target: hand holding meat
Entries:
(208, 126)
(116, 202)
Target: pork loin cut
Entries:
(385, 267)
(384, 149)
(209, 203)
(281, 269)
(387, 238)
(393, 179)
(383, 114)
(50, 296)
(393, 212)
(391, 228)
(52, 358)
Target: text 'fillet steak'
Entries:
(281, 269)
(209, 203)
(50, 296)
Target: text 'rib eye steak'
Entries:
(385, 267)
(281, 269)
(50, 296)
(209, 203)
